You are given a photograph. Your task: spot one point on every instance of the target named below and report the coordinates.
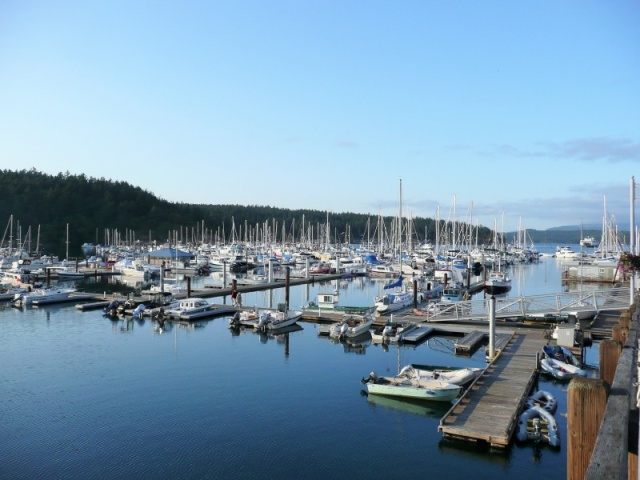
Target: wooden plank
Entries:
(469, 341)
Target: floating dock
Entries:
(417, 335)
(488, 411)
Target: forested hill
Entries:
(91, 207)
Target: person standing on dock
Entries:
(234, 297)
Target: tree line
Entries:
(42, 205)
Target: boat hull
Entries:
(445, 394)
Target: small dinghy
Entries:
(456, 376)
(560, 363)
(543, 399)
(537, 424)
(401, 386)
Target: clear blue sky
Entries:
(526, 111)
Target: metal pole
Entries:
(632, 223)
(492, 327)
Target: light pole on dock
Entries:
(632, 227)
(492, 328)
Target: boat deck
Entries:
(488, 410)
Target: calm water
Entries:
(83, 396)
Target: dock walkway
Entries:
(488, 410)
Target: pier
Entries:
(488, 410)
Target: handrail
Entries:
(609, 458)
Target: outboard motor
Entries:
(388, 331)
(264, 320)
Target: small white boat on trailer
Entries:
(401, 386)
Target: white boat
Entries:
(588, 242)
(456, 376)
(8, 291)
(392, 302)
(454, 292)
(567, 252)
(187, 306)
(560, 363)
(392, 332)
(40, 296)
(65, 272)
(254, 279)
(15, 277)
(401, 386)
(131, 268)
(351, 326)
(277, 319)
(538, 424)
(497, 283)
(382, 270)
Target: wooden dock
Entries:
(488, 411)
(468, 343)
(417, 335)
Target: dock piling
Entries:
(586, 403)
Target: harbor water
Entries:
(83, 396)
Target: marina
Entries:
(197, 354)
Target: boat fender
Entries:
(543, 399)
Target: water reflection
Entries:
(416, 407)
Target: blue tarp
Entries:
(397, 283)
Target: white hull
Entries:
(423, 389)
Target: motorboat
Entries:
(9, 291)
(65, 272)
(187, 306)
(454, 292)
(392, 332)
(560, 363)
(498, 282)
(40, 296)
(269, 319)
(567, 252)
(351, 326)
(402, 386)
(392, 302)
(383, 270)
(454, 375)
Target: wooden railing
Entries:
(612, 456)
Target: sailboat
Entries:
(498, 281)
